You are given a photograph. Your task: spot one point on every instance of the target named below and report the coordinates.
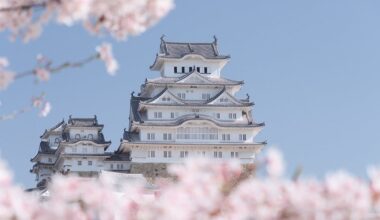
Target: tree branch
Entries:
(59, 67)
(23, 7)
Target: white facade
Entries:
(190, 110)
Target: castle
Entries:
(190, 110)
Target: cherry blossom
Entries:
(198, 189)
(45, 110)
(42, 74)
(119, 18)
(274, 163)
(6, 76)
(105, 54)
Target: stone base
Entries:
(150, 170)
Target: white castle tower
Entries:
(76, 147)
(190, 110)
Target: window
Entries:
(77, 136)
(79, 163)
(215, 154)
(151, 153)
(90, 137)
(167, 136)
(183, 69)
(232, 115)
(234, 154)
(197, 133)
(198, 69)
(151, 136)
(205, 69)
(89, 163)
(167, 154)
(171, 114)
(225, 137)
(111, 166)
(175, 69)
(56, 140)
(181, 95)
(50, 160)
(220, 155)
(157, 114)
(190, 69)
(242, 137)
(206, 96)
(121, 166)
(183, 154)
(166, 99)
(217, 115)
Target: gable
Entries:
(224, 99)
(194, 78)
(166, 98)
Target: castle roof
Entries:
(202, 80)
(179, 50)
(83, 122)
(198, 117)
(53, 129)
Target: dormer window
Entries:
(90, 137)
(175, 69)
(183, 69)
(77, 136)
(205, 70)
(198, 69)
(223, 100)
(190, 69)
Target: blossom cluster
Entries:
(120, 18)
(199, 189)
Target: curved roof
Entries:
(180, 49)
(198, 117)
(206, 80)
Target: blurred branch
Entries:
(60, 67)
(25, 7)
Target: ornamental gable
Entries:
(166, 97)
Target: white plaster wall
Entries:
(214, 67)
(51, 140)
(181, 111)
(84, 149)
(140, 154)
(234, 135)
(83, 132)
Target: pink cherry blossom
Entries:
(119, 18)
(6, 76)
(274, 163)
(42, 74)
(45, 110)
(105, 54)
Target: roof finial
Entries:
(162, 38)
(191, 49)
(69, 117)
(247, 96)
(132, 93)
(215, 40)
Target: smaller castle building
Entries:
(76, 147)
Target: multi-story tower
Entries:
(78, 147)
(190, 110)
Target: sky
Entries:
(311, 67)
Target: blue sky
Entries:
(312, 68)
